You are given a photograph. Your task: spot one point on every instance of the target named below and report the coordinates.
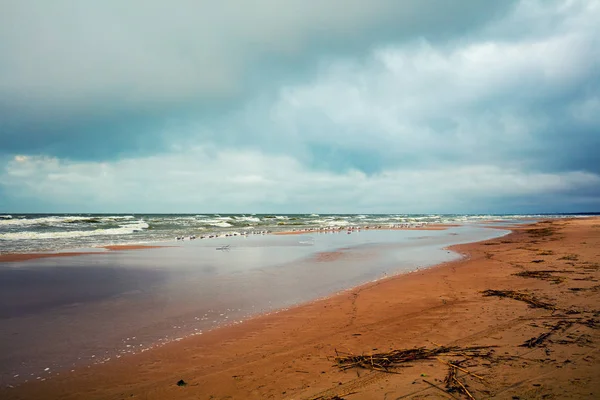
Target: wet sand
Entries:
(59, 314)
(290, 354)
(34, 256)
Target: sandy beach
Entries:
(553, 265)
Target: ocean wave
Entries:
(61, 220)
(247, 219)
(337, 222)
(221, 224)
(125, 229)
(116, 217)
(40, 221)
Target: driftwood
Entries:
(521, 296)
(540, 232)
(453, 384)
(546, 275)
(593, 323)
(539, 340)
(386, 362)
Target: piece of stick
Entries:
(460, 369)
(465, 389)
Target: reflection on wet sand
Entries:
(61, 313)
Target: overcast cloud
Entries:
(265, 106)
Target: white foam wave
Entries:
(248, 219)
(115, 217)
(221, 224)
(337, 223)
(6, 216)
(122, 230)
(41, 221)
(60, 220)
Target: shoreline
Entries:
(174, 293)
(16, 257)
(264, 338)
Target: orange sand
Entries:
(289, 355)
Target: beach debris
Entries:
(335, 397)
(540, 232)
(386, 362)
(539, 340)
(580, 289)
(546, 253)
(521, 296)
(593, 323)
(453, 384)
(181, 382)
(546, 275)
(581, 340)
(456, 364)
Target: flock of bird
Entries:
(227, 234)
(348, 229)
(351, 229)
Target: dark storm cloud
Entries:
(82, 79)
(385, 107)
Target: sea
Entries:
(24, 233)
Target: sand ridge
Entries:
(290, 355)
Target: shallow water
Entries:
(60, 313)
(50, 232)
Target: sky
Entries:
(335, 106)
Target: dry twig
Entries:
(455, 385)
(521, 296)
(397, 358)
(538, 340)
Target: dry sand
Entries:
(290, 355)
